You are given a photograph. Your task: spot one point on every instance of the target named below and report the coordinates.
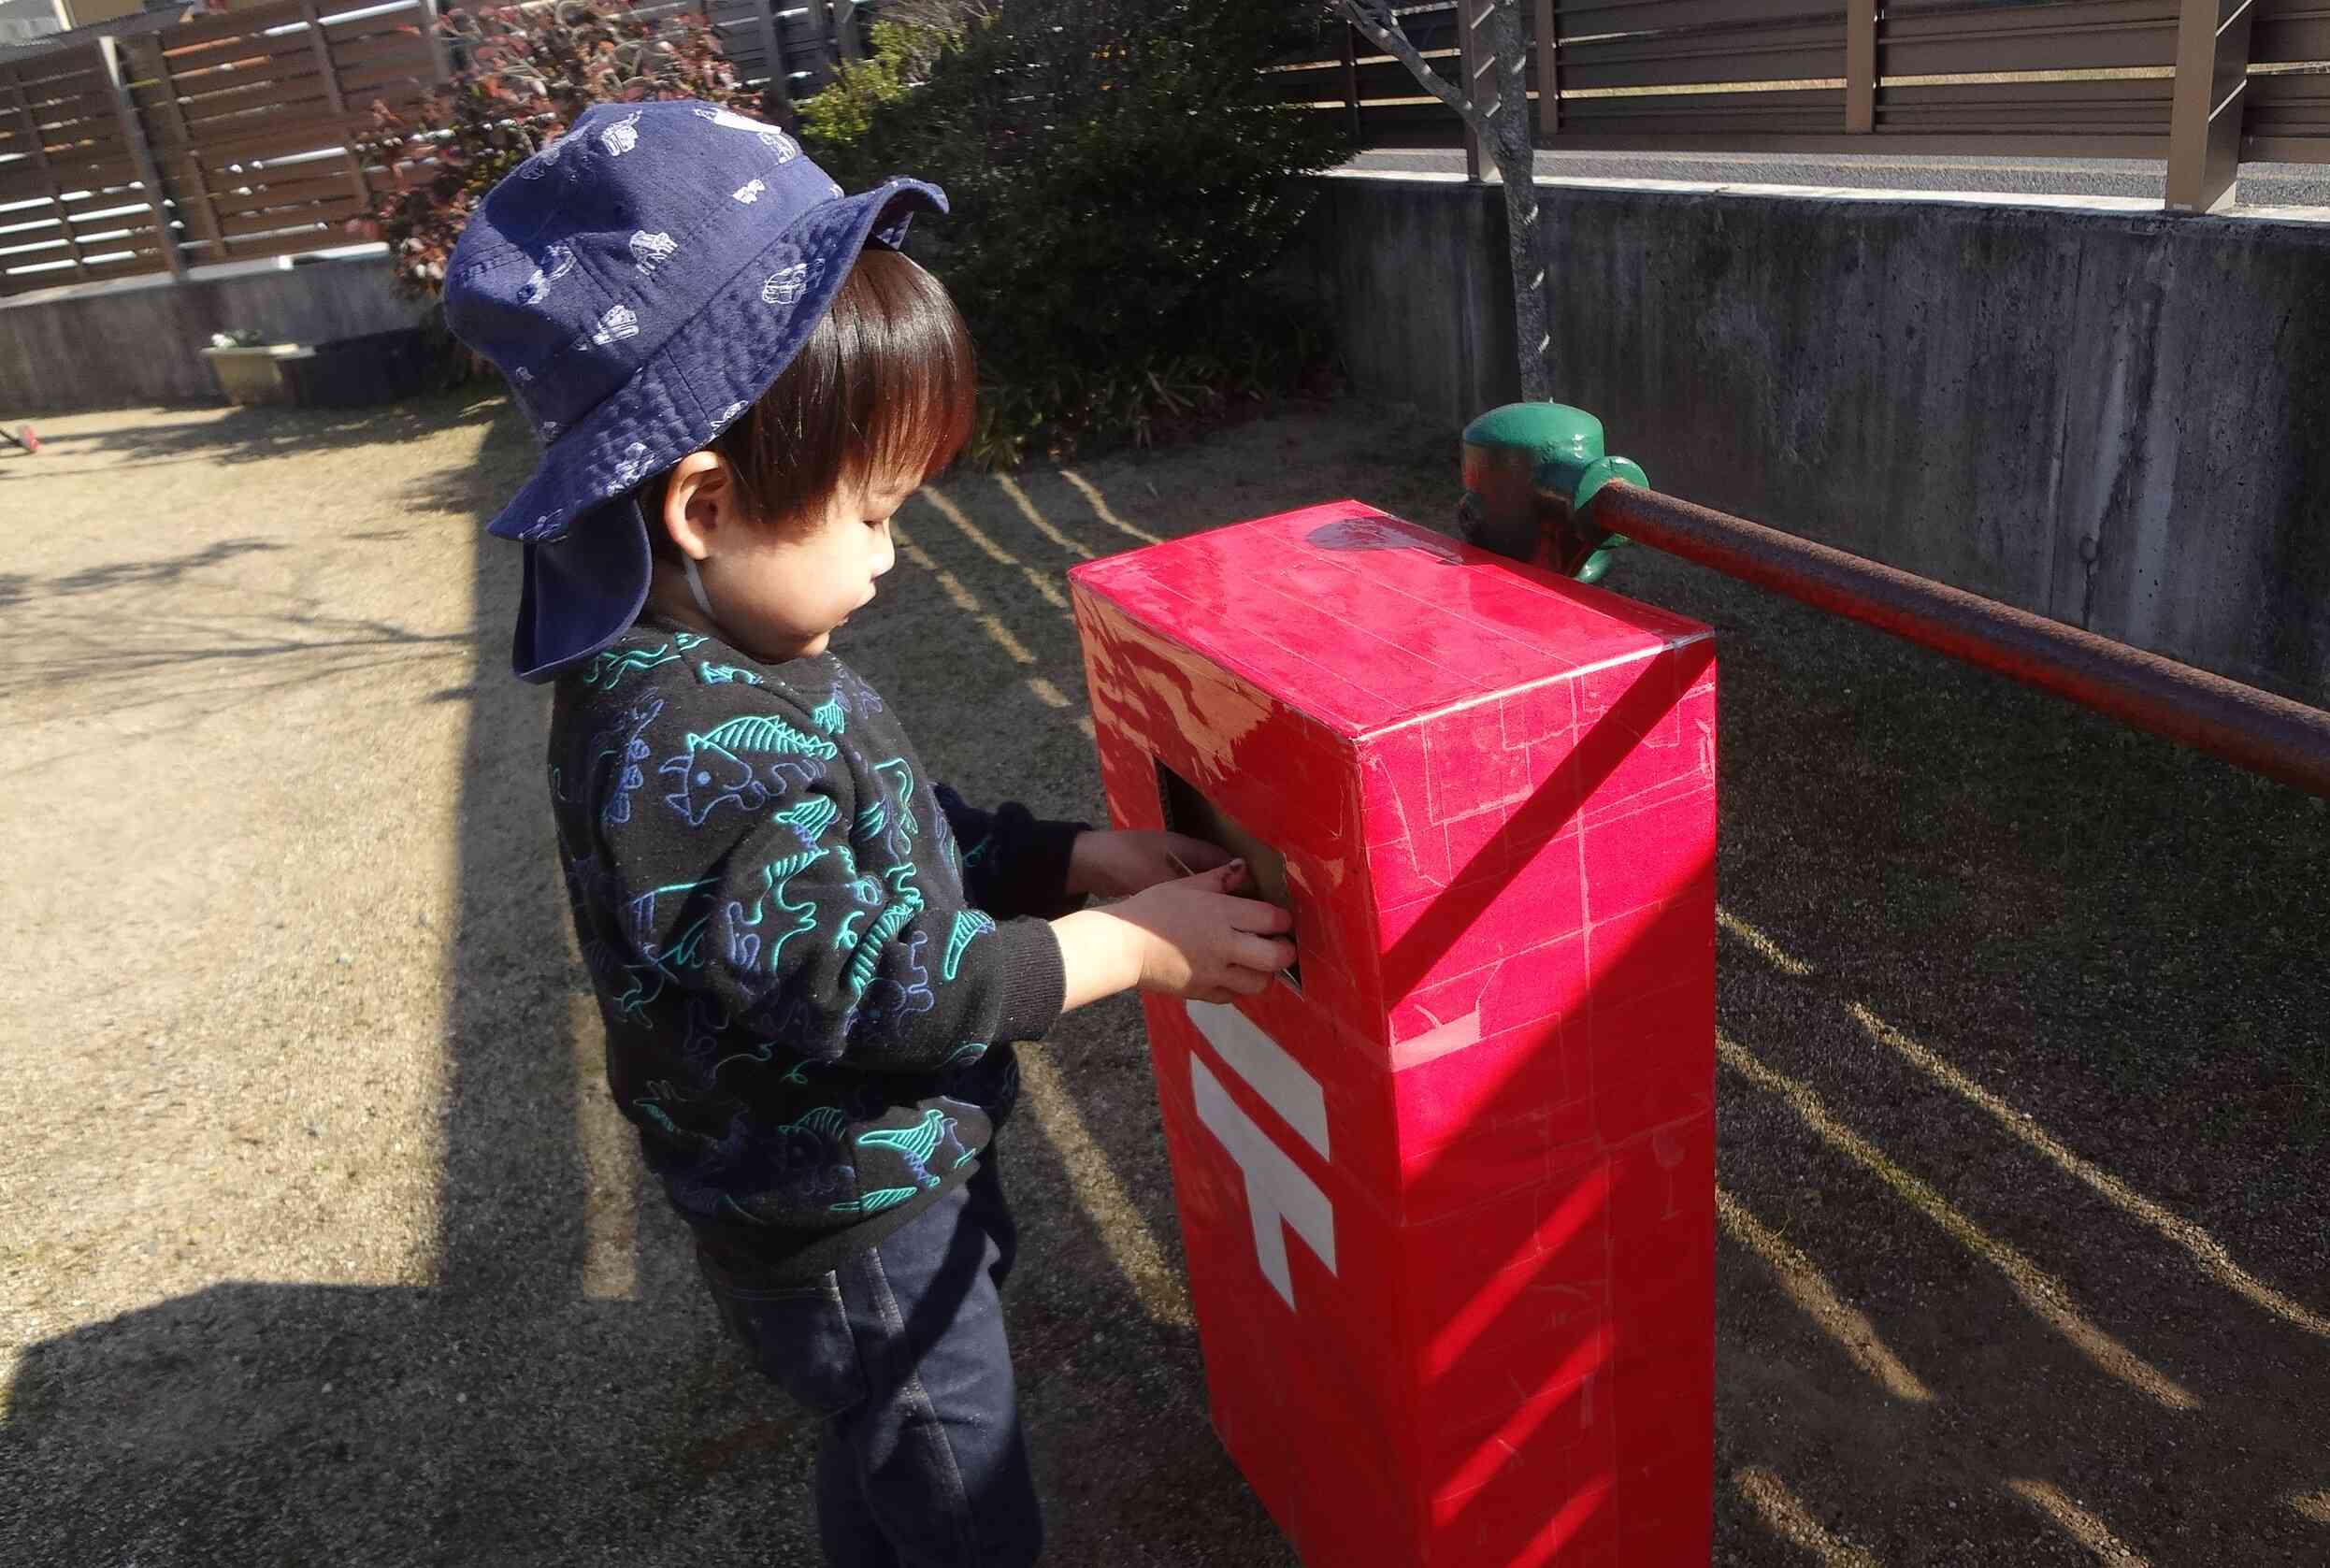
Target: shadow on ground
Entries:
(2022, 1115)
(561, 1395)
(149, 438)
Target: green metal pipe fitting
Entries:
(1530, 472)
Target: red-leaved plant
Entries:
(524, 73)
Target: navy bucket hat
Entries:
(640, 282)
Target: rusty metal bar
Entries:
(2256, 729)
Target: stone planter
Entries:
(256, 375)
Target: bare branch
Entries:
(1376, 19)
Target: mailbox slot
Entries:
(1188, 811)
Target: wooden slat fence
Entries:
(71, 198)
(250, 115)
(145, 146)
(2201, 83)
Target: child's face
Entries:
(781, 595)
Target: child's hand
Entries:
(1187, 938)
(1203, 944)
(1117, 864)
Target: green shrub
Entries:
(1121, 184)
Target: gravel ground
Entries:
(320, 1244)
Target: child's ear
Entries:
(699, 499)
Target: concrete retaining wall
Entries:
(140, 343)
(2114, 417)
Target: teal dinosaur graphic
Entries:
(689, 642)
(867, 822)
(829, 715)
(661, 969)
(899, 777)
(760, 1052)
(917, 1140)
(810, 818)
(865, 890)
(642, 909)
(718, 768)
(713, 674)
(826, 1121)
(892, 920)
(608, 668)
(969, 925)
(876, 1202)
(969, 1051)
(766, 732)
(846, 937)
(749, 948)
(915, 1143)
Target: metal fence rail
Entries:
(2199, 84)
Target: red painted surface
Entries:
(1449, 1207)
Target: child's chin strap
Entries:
(695, 586)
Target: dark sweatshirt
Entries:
(810, 958)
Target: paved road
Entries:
(2261, 185)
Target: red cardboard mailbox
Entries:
(1448, 1187)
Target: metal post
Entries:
(845, 36)
(39, 157)
(434, 34)
(780, 87)
(1473, 67)
(133, 133)
(199, 211)
(1548, 74)
(1859, 66)
(2205, 123)
(332, 93)
(1351, 84)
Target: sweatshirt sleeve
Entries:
(1014, 863)
(743, 885)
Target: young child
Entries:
(811, 957)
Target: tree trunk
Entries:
(1515, 150)
(1505, 127)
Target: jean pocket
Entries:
(799, 1336)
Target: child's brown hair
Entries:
(885, 387)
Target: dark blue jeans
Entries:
(901, 1351)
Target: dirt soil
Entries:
(319, 1243)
